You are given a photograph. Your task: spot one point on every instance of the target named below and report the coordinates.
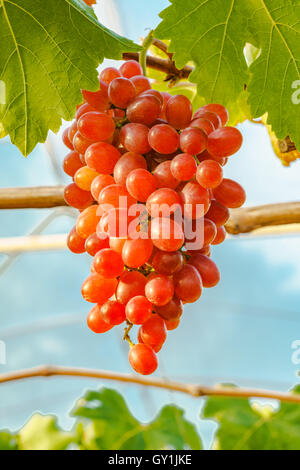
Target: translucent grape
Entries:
(188, 284)
(193, 140)
(218, 213)
(167, 263)
(207, 269)
(130, 68)
(171, 311)
(77, 197)
(108, 263)
(113, 313)
(230, 193)
(144, 110)
(140, 83)
(183, 167)
(131, 284)
(72, 163)
(137, 252)
(93, 243)
(95, 321)
(159, 290)
(179, 111)
(128, 162)
(138, 310)
(100, 182)
(163, 139)
(219, 109)
(87, 222)
(196, 200)
(109, 73)
(224, 142)
(166, 234)
(102, 157)
(75, 243)
(134, 137)
(121, 92)
(84, 177)
(142, 359)
(96, 126)
(164, 177)
(95, 289)
(209, 174)
(140, 184)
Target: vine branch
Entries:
(243, 220)
(193, 390)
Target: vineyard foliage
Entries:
(104, 422)
(246, 56)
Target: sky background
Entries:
(239, 332)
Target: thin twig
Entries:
(162, 46)
(162, 65)
(190, 389)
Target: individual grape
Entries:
(117, 243)
(203, 124)
(209, 174)
(193, 140)
(113, 313)
(230, 193)
(72, 131)
(108, 263)
(155, 93)
(179, 111)
(142, 359)
(72, 163)
(220, 237)
(207, 269)
(196, 200)
(167, 263)
(210, 116)
(131, 284)
(172, 324)
(140, 184)
(99, 183)
(138, 310)
(77, 197)
(164, 177)
(102, 157)
(97, 99)
(115, 195)
(224, 142)
(66, 140)
(188, 284)
(84, 177)
(97, 290)
(183, 167)
(128, 162)
(96, 126)
(93, 243)
(130, 68)
(171, 311)
(80, 143)
(163, 202)
(195, 241)
(90, 2)
(134, 137)
(109, 74)
(163, 139)
(83, 109)
(166, 97)
(141, 83)
(153, 332)
(75, 243)
(219, 109)
(144, 110)
(95, 321)
(116, 222)
(87, 222)
(166, 234)
(159, 290)
(121, 92)
(137, 252)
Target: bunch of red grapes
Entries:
(130, 142)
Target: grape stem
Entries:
(143, 55)
(189, 389)
(126, 336)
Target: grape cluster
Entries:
(131, 143)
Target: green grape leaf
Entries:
(8, 441)
(49, 51)
(43, 433)
(212, 34)
(111, 426)
(276, 71)
(246, 56)
(245, 426)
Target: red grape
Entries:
(164, 177)
(153, 332)
(93, 243)
(121, 92)
(95, 289)
(224, 142)
(137, 252)
(75, 243)
(210, 116)
(218, 213)
(77, 197)
(95, 321)
(131, 284)
(134, 137)
(102, 157)
(207, 269)
(183, 167)
(144, 109)
(179, 111)
(108, 263)
(167, 263)
(128, 162)
(188, 284)
(163, 139)
(166, 234)
(159, 290)
(193, 140)
(140, 83)
(209, 174)
(219, 109)
(171, 311)
(72, 163)
(109, 74)
(220, 236)
(113, 313)
(142, 359)
(203, 124)
(138, 310)
(163, 202)
(100, 182)
(230, 193)
(130, 68)
(196, 200)
(84, 178)
(96, 126)
(66, 140)
(87, 222)
(140, 184)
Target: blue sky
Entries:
(241, 331)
